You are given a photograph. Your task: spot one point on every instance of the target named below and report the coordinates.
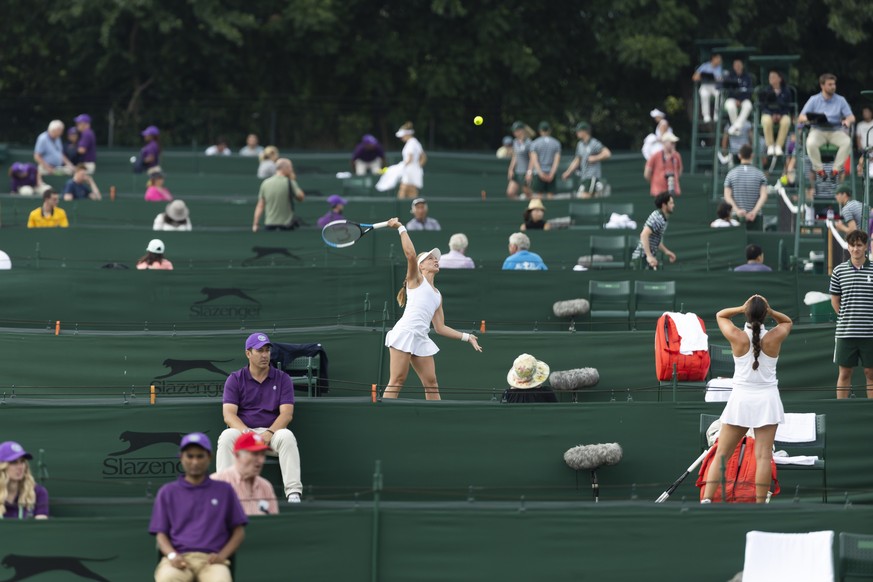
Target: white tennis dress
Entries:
(754, 400)
(413, 173)
(410, 333)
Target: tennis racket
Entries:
(666, 494)
(340, 234)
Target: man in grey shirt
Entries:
(745, 189)
(850, 211)
(545, 155)
(420, 220)
(589, 153)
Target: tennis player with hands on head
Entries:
(408, 341)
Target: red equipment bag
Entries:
(739, 476)
(692, 367)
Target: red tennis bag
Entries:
(691, 367)
(739, 474)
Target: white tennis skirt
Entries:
(753, 406)
(413, 174)
(410, 342)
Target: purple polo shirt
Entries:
(29, 179)
(150, 150)
(365, 154)
(88, 140)
(11, 510)
(258, 402)
(197, 518)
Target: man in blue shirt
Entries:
(709, 75)
(839, 115)
(48, 152)
(520, 258)
(754, 260)
(738, 84)
(81, 186)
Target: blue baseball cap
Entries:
(196, 438)
(12, 451)
(257, 340)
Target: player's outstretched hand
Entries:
(475, 343)
(394, 223)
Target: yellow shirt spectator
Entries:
(58, 218)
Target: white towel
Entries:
(797, 428)
(798, 460)
(691, 335)
(390, 178)
(617, 220)
(777, 557)
(719, 389)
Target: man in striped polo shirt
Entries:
(652, 235)
(745, 189)
(850, 211)
(852, 299)
(545, 155)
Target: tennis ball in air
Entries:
(478, 120)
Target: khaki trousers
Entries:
(198, 569)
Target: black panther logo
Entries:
(178, 366)
(140, 440)
(261, 252)
(215, 293)
(29, 566)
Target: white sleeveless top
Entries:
(764, 376)
(410, 334)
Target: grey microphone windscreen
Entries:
(574, 379)
(571, 307)
(593, 456)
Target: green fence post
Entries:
(377, 488)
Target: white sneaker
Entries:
(293, 498)
(771, 150)
(724, 159)
(778, 151)
(707, 120)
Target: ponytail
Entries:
(401, 295)
(756, 342)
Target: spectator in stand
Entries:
(267, 165)
(535, 216)
(81, 186)
(589, 153)
(87, 142)
(71, 148)
(156, 191)
(745, 189)
(520, 258)
(25, 180)
(48, 152)
(49, 215)
(709, 75)
(276, 198)
(851, 211)
(520, 162)
(414, 158)
(255, 493)
(504, 152)
(864, 140)
(775, 103)
(545, 156)
(652, 143)
(420, 220)
(368, 157)
(337, 204)
(839, 116)
(664, 169)
(457, 257)
(754, 260)
(724, 219)
(154, 258)
(738, 84)
(252, 149)
(21, 497)
(149, 160)
(220, 148)
(174, 218)
(731, 144)
(652, 235)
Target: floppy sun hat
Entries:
(527, 372)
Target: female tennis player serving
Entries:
(408, 341)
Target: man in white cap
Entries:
(664, 168)
(420, 219)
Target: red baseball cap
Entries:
(250, 441)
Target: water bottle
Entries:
(830, 214)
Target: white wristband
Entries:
(465, 337)
(401, 230)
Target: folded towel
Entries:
(719, 389)
(797, 460)
(617, 220)
(797, 428)
(691, 335)
(789, 556)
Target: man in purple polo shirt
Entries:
(198, 522)
(87, 142)
(259, 398)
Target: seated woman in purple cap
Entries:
(408, 341)
(150, 155)
(337, 203)
(368, 157)
(21, 496)
(25, 180)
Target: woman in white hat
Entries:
(414, 158)
(535, 216)
(174, 217)
(526, 378)
(154, 257)
(652, 143)
(408, 342)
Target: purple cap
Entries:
(19, 168)
(12, 451)
(72, 130)
(150, 130)
(196, 438)
(84, 118)
(257, 340)
(370, 139)
(335, 199)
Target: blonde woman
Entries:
(21, 496)
(408, 341)
(414, 158)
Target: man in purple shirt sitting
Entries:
(199, 523)
(337, 203)
(259, 398)
(87, 142)
(368, 157)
